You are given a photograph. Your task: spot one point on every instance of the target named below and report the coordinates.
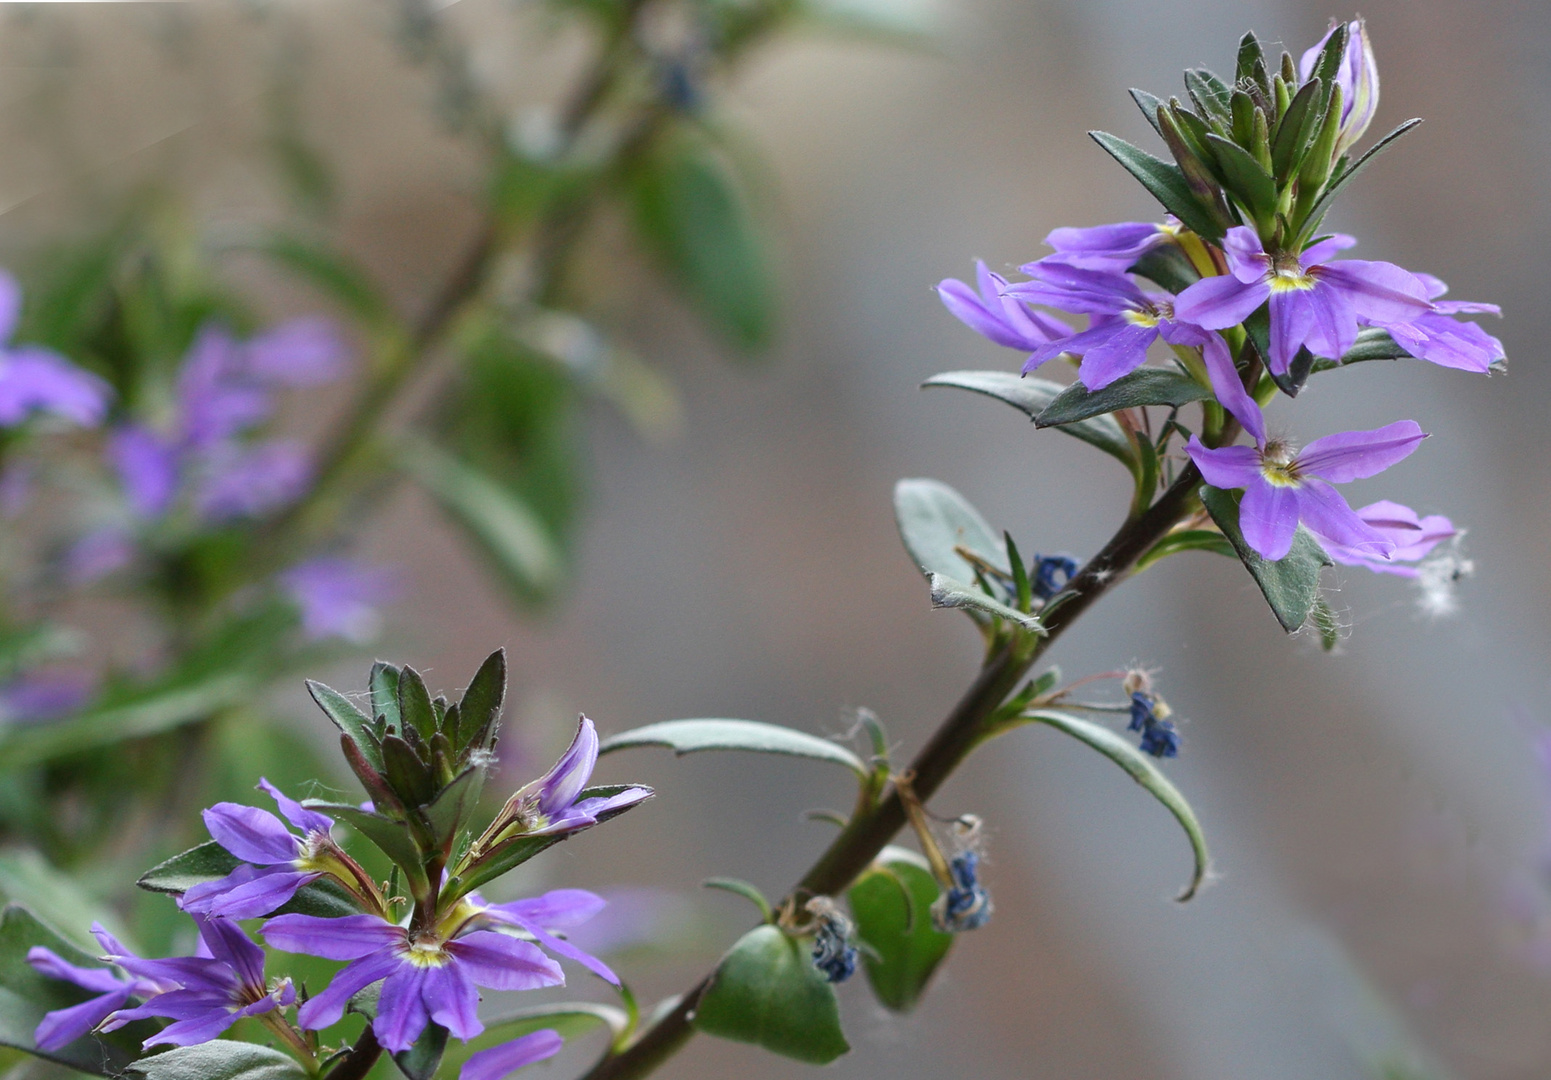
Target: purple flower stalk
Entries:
(539, 917)
(34, 379)
(214, 991)
(1126, 321)
(427, 978)
(1358, 78)
(551, 804)
(339, 597)
(499, 1062)
(996, 316)
(114, 991)
(276, 863)
(1414, 538)
(1283, 486)
(1313, 302)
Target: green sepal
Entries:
(1033, 396)
(1291, 584)
(479, 710)
(766, 991)
(1166, 183)
(891, 902)
(1144, 386)
(692, 736)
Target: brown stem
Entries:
(867, 833)
(356, 1064)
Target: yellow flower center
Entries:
(1279, 464)
(427, 952)
(1288, 275)
(1140, 318)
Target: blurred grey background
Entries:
(1378, 816)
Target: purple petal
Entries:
(1466, 307)
(499, 1062)
(192, 973)
(1227, 467)
(1114, 246)
(1413, 536)
(103, 980)
(195, 1030)
(1441, 340)
(1268, 518)
(347, 938)
(227, 943)
(1356, 455)
(558, 908)
(37, 380)
(147, 467)
(1377, 291)
(10, 306)
(985, 319)
(307, 821)
(566, 949)
(1247, 259)
(503, 963)
(1229, 389)
(559, 787)
(301, 352)
(339, 597)
(251, 834)
(1292, 318)
(1216, 303)
(604, 803)
(61, 1027)
(264, 892)
(1333, 325)
(1324, 250)
(1327, 516)
(401, 1008)
(452, 1001)
(249, 481)
(1122, 352)
(325, 1009)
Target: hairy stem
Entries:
(868, 831)
(359, 1061)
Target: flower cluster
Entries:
(1249, 296)
(432, 961)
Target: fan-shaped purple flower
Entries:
(1113, 247)
(34, 379)
(61, 1027)
(551, 804)
(998, 317)
(1414, 538)
(540, 916)
(276, 862)
(1437, 337)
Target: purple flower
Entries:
(301, 352)
(217, 398)
(276, 862)
(499, 1062)
(96, 555)
(1358, 78)
(213, 992)
(1436, 337)
(550, 804)
(428, 978)
(1283, 486)
(63, 1026)
(45, 695)
(339, 597)
(1108, 247)
(1313, 303)
(560, 909)
(998, 317)
(35, 379)
(1126, 321)
(147, 466)
(1413, 536)
(246, 481)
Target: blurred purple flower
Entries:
(214, 991)
(63, 1026)
(301, 352)
(276, 863)
(499, 1062)
(1413, 536)
(45, 695)
(147, 466)
(35, 379)
(217, 399)
(340, 597)
(997, 317)
(247, 481)
(96, 555)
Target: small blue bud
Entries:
(967, 905)
(1047, 569)
(1159, 736)
(832, 952)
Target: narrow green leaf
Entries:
(415, 708)
(1211, 95)
(1290, 585)
(742, 888)
(891, 902)
(1149, 104)
(349, 719)
(1251, 66)
(518, 850)
(421, 1060)
(1165, 182)
(692, 736)
(1144, 386)
(383, 684)
(1295, 132)
(1032, 396)
(1145, 772)
(456, 803)
(947, 593)
(1248, 182)
(766, 991)
(333, 274)
(569, 1018)
(934, 521)
(479, 711)
(26, 995)
(499, 522)
(223, 1059)
(1186, 540)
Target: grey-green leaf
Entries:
(421, 1060)
(223, 1059)
(692, 736)
(891, 902)
(391, 837)
(1033, 396)
(934, 520)
(349, 719)
(1145, 772)
(479, 711)
(766, 991)
(1144, 386)
(948, 593)
(1290, 585)
(569, 1018)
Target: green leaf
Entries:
(934, 521)
(947, 593)
(26, 995)
(415, 703)
(1296, 131)
(222, 1059)
(383, 684)
(692, 212)
(498, 521)
(569, 1018)
(1145, 772)
(479, 711)
(1166, 183)
(891, 903)
(1168, 266)
(745, 890)
(1033, 396)
(766, 991)
(456, 803)
(1211, 95)
(1186, 540)
(421, 1060)
(1371, 344)
(1149, 104)
(1322, 204)
(333, 274)
(692, 736)
(1144, 386)
(211, 862)
(1250, 183)
(518, 850)
(26, 878)
(1251, 66)
(1290, 585)
(349, 719)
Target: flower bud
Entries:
(1358, 77)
